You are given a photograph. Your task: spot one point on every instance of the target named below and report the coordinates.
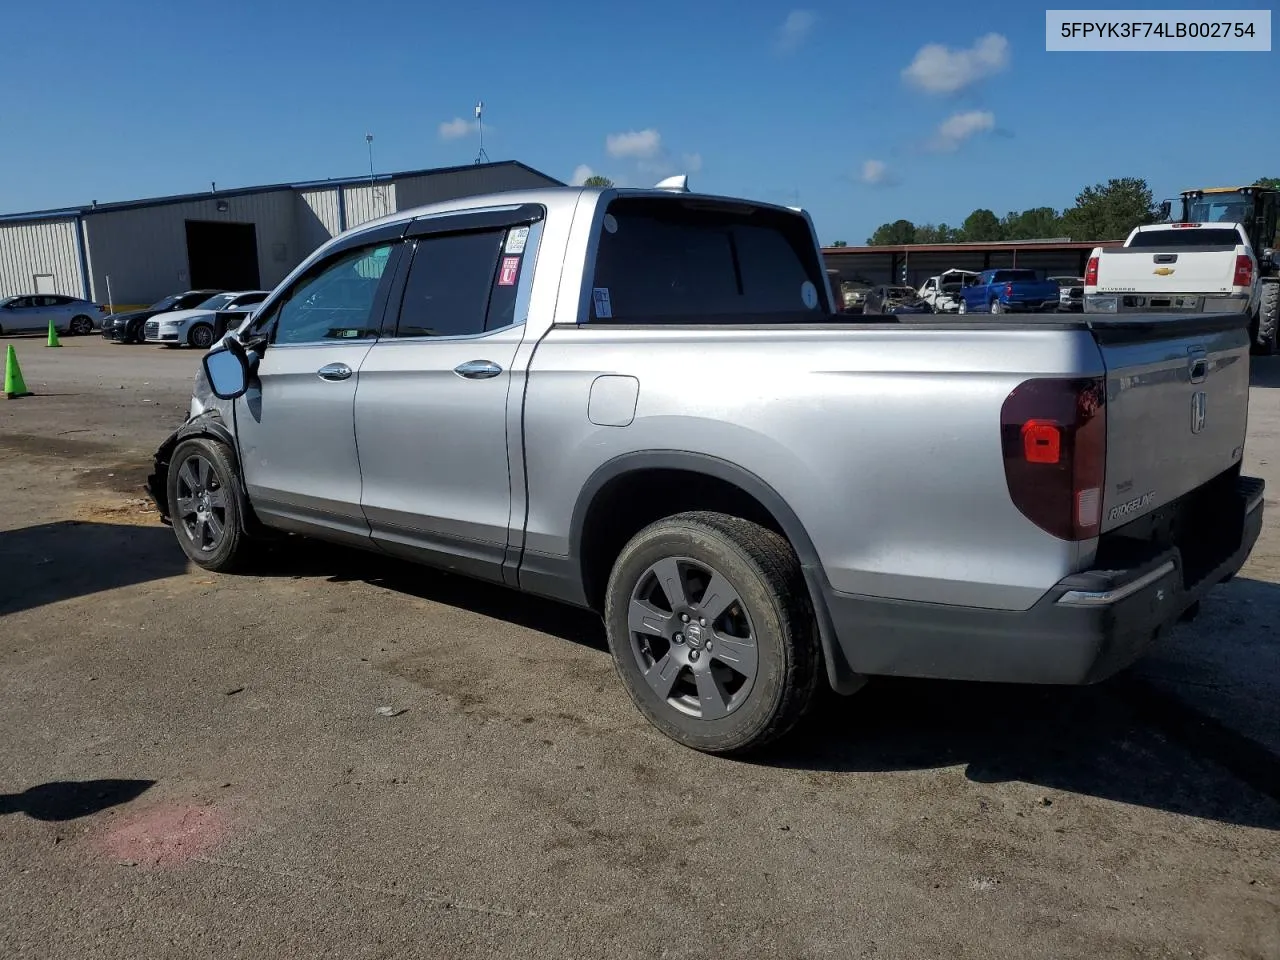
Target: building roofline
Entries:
(969, 247)
(64, 213)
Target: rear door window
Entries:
(670, 261)
(460, 285)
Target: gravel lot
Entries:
(199, 766)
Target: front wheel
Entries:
(712, 631)
(201, 336)
(962, 309)
(205, 503)
(1264, 342)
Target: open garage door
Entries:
(222, 256)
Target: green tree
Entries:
(889, 234)
(1038, 223)
(982, 224)
(838, 243)
(595, 180)
(1272, 182)
(1108, 211)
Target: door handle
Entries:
(477, 369)
(334, 372)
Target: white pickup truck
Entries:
(942, 292)
(1176, 268)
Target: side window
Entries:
(21, 302)
(335, 302)
(459, 285)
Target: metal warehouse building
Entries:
(244, 239)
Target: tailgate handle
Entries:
(1199, 364)
(1165, 258)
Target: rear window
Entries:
(677, 261)
(1013, 276)
(1190, 237)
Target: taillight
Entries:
(1054, 438)
(1008, 290)
(1244, 271)
(1091, 273)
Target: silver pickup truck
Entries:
(641, 402)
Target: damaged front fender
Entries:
(207, 424)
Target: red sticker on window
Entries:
(507, 275)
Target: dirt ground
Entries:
(351, 757)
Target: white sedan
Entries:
(196, 326)
(33, 313)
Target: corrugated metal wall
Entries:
(41, 247)
(144, 249)
(318, 218)
(416, 191)
(368, 203)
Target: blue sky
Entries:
(116, 101)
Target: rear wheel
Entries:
(712, 631)
(201, 336)
(81, 326)
(997, 307)
(1264, 342)
(205, 503)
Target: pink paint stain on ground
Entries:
(167, 836)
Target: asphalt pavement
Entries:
(348, 756)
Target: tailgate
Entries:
(1177, 406)
(1159, 270)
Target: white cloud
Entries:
(692, 162)
(639, 144)
(457, 128)
(580, 174)
(959, 127)
(939, 69)
(874, 171)
(795, 30)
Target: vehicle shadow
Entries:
(64, 800)
(1264, 371)
(1124, 740)
(70, 558)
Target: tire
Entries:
(997, 307)
(745, 676)
(1264, 343)
(209, 530)
(80, 326)
(962, 309)
(201, 336)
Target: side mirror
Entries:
(227, 369)
(1268, 259)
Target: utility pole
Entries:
(481, 157)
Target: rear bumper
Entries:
(1088, 627)
(1029, 306)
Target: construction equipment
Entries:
(1256, 208)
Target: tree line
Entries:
(1104, 211)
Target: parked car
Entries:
(855, 294)
(641, 402)
(128, 327)
(942, 292)
(1009, 291)
(197, 326)
(34, 311)
(833, 279)
(893, 299)
(1070, 294)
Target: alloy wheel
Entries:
(201, 503)
(692, 638)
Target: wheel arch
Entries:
(597, 534)
(210, 426)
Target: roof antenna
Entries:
(481, 157)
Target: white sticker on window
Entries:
(610, 223)
(600, 297)
(809, 294)
(517, 237)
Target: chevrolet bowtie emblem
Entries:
(1163, 271)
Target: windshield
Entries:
(952, 287)
(1221, 208)
(164, 304)
(216, 302)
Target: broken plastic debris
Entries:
(389, 712)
